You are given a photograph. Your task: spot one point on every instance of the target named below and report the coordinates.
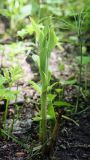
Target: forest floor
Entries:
(73, 142)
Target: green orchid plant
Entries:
(47, 40)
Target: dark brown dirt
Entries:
(73, 142)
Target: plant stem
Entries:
(51, 143)
(43, 116)
(80, 75)
(86, 78)
(5, 114)
(80, 63)
(81, 56)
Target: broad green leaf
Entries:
(26, 10)
(29, 29)
(46, 79)
(6, 74)
(41, 38)
(50, 87)
(35, 27)
(61, 103)
(5, 12)
(37, 118)
(52, 41)
(16, 73)
(85, 59)
(69, 82)
(49, 76)
(59, 90)
(43, 59)
(2, 93)
(51, 97)
(36, 59)
(51, 112)
(35, 86)
(55, 10)
(22, 33)
(54, 1)
(8, 94)
(2, 80)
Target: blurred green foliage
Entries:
(17, 11)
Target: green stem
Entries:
(5, 114)
(43, 116)
(80, 63)
(81, 56)
(85, 78)
(80, 75)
